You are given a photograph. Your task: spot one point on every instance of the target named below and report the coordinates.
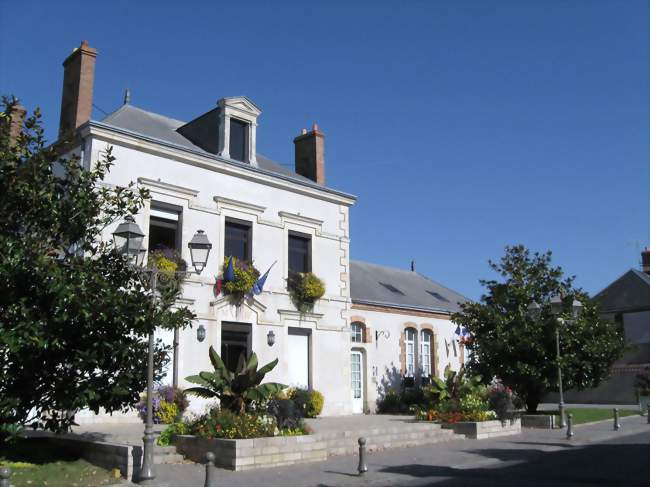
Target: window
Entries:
(238, 140)
(425, 353)
(164, 227)
(438, 296)
(409, 335)
(237, 240)
(299, 252)
(357, 333)
(392, 288)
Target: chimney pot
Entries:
(77, 93)
(645, 260)
(310, 154)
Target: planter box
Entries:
(256, 453)
(542, 421)
(485, 429)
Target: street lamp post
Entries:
(128, 241)
(534, 309)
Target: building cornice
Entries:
(211, 162)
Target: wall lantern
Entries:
(200, 333)
(270, 338)
(128, 240)
(199, 250)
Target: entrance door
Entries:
(356, 376)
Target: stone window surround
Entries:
(366, 332)
(242, 109)
(434, 346)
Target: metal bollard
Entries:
(562, 415)
(210, 479)
(617, 423)
(648, 414)
(363, 468)
(5, 473)
(569, 426)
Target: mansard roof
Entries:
(165, 129)
(378, 285)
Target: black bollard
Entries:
(617, 423)
(363, 468)
(210, 479)
(569, 426)
(5, 473)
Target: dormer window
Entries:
(239, 140)
(237, 129)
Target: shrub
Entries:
(305, 289)
(309, 401)
(390, 403)
(500, 400)
(168, 433)
(168, 405)
(287, 413)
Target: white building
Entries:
(207, 174)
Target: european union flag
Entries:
(229, 275)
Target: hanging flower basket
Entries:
(171, 270)
(305, 289)
(244, 277)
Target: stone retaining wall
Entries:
(256, 453)
(486, 429)
(543, 421)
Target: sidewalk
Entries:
(597, 455)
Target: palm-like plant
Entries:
(235, 389)
(455, 386)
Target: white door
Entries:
(357, 382)
(298, 353)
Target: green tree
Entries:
(73, 314)
(509, 342)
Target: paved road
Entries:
(597, 456)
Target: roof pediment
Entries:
(240, 103)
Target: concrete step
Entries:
(168, 458)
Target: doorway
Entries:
(356, 376)
(235, 341)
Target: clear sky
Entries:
(462, 126)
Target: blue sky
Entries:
(462, 126)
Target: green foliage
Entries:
(74, 316)
(305, 289)
(166, 436)
(391, 403)
(455, 387)
(518, 347)
(238, 389)
(310, 401)
(223, 423)
(171, 272)
(246, 275)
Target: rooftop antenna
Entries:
(412, 266)
(127, 96)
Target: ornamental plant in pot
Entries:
(245, 275)
(305, 288)
(171, 270)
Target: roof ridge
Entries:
(126, 106)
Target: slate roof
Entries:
(630, 292)
(153, 125)
(371, 284)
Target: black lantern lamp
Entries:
(128, 240)
(270, 338)
(199, 250)
(200, 333)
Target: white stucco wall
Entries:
(382, 356)
(208, 192)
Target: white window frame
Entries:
(410, 338)
(356, 333)
(426, 337)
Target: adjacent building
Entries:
(373, 327)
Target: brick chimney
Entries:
(645, 260)
(310, 154)
(16, 118)
(77, 96)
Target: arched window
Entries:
(409, 341)
(356, 334)
(425, 352)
